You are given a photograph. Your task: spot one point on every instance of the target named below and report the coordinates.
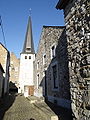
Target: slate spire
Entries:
(28, 44)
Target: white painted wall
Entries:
(26, 71)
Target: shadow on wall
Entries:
(63, 86)
(12, 87)
(8, 99)
(5, 103)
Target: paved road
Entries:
(19, 108)
(16, 107)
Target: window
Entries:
(29, 57)
(28, 49)
(25, 57)
(37, 65)
(44, 59)
(38, 81)
(53, 49)
(54, 75)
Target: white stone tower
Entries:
(26, 85)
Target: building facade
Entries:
(77, 18)
(5, 62)
(27, 58)
(50, 67)
(14, 70)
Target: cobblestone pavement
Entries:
(17, 107)
(62, 113)
(20, 109)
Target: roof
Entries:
(62, 4)
(54, 26)
(28, 44)
(8, 53)
(1, 68)
(51, 29)
(3, 46)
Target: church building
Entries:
(26, 85)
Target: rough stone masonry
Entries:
(77, 18)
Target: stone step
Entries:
(42, 108)
(33, 99)
(45, 110)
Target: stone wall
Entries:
(39, 68)
(3, 57)
(52, 35)
(77, 18)
(14, 69)
(5, 62)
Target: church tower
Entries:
(26, 85)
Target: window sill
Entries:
(55, 89)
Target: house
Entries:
(1, 80)
(26, 85)
(5, 62)
(51, 66)
(77, 18)
(14, 72)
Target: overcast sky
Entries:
(15, 17)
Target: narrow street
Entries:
(18, 108)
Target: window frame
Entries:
(38, 76)
(37, 65)
(55, 83)
(25, 57)
(29, 57)
(44, 58)
(53, 52)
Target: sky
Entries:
(15, 15)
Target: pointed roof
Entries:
(62, 4)
(28, 44)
